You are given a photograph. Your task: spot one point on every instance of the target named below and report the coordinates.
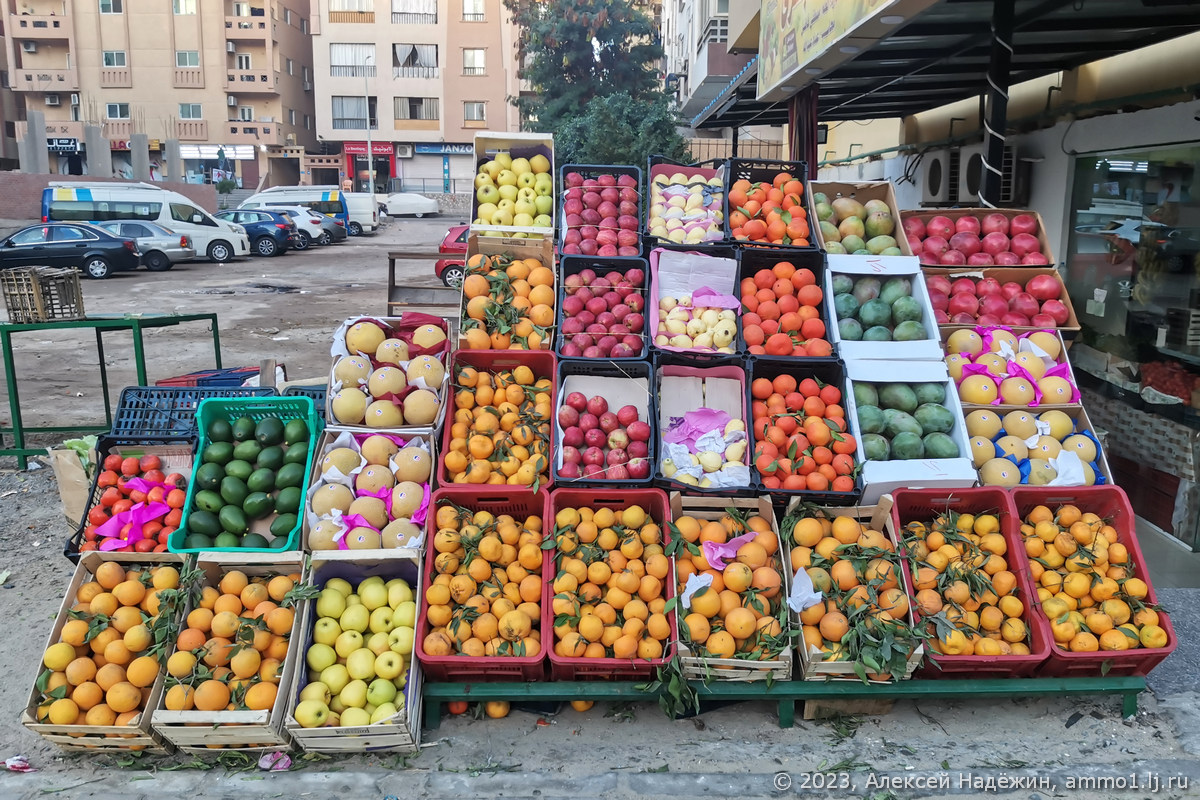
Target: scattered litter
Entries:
(35, 465)
(4, 576)
(18, 764)
(275, 762)
(545, 723)
(9, 493)
(1071, 720)
(79, 394)
(279, 338)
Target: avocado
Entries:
(279, 543)
(296, 454)
(217, 453)
(204, 523)
(220, 430)
(243, 429)
(296, 431)
(269, 432)
(247, 451)
(289, 475)
(258, 505)
(288, 500)
(255, 540)
(261, 480)
(232, 519)
(283, 525)
(227, 540)
(197, 541)
(233, 490)
(239, 469)
(939, 445)
(210, 501)
(270, 458)
(208, 476)
(908, 445)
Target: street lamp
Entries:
(367, 112)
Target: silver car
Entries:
(317, 228)
(161, 247)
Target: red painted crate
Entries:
(923, 505)
(498, 500)
(1112, 504)
(543, 364)
(658, 509)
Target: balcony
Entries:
(245, 132)
(39, 26)
(361, 17)
(414, 72)
(115, 78)
(253, 29)
(712, 69)
(115, 129)
(408, 18)
(45, 80)
(118, 129)
(352, 71)
(353, 124)
(418, 124)
(188, 78)
(191, 130)
(249, 80)
(471, 71)
(473, 17)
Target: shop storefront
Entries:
(384, 157)
(440, 167)
(209, 163)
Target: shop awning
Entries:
(941, 56)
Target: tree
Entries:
(619, 129)
(224, 187)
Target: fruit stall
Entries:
(737, 437)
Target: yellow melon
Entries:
(392, 351)
(420, 407)
(413, 464)
(364, 337)
(383, 414)
(978, 390)
(349, 406)
(984, 422)
(999, 472)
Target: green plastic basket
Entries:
(257, 409)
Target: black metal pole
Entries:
(733, 142)
(997, 117)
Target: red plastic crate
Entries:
(658, 509)
(543, 364)
(1110, 503)
(923, 505)
(498, 500)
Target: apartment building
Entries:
(698, 62)
(230, 80)
(8, 110)
(424, 75)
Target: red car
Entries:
(454, 246)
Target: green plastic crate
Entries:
(257, 409)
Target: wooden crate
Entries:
(138, 736)
(41, 294)
(696, 667)
(401, 733)
(260, 731)
(879, 517)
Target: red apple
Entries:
(593, 455)
(588, 421)
(941, 227)
(596, 437)
(597, 405)
(639, 468)
(577, 401)
(568, 417)
(627, 415)
(608, 422)
(593, 470)
(617, 472)
(994, 223)
(573, 437)
(638, 449)
(569, 471)
(639, 431)
(571, 454)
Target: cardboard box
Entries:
(74, 482)
(926, 214)
(675, 274)
(1082, 423)
(686, 388)
(1002, 407)
(884, 267)
(519, 145)
(881, 477)
(540, 249)
(862, 192)
(1019, 275)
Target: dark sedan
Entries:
(93, 250)
(270, 233)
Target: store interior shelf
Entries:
(1191, 355)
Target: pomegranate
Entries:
(963, 304)
(993, 305)
(1010, 290)
(1043, 321)
(1044, 287)
(968, 224)
(1024, 304)
(1057, 310)
(939, 283)
(1007, 259)
(987, 286)
(994, 223)
(914, 228)
(980, 260)
(1016, 320)
(940, 227)
(1024, 223)
(1023, 243)
(966, 242)
(935, 245)
(952, 258)
(995, 243)
(962, 286)
(1034, 260)
(939, 301)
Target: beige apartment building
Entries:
(428, 74)
(8, 111)
(232, 81)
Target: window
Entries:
(304, 74)
(291, 66)
(416, 108)
(113, 58)
(98, 211)
(187, 58)
(190, 111)
(246, 113)
(475, 111)
(67, 233)
(303, 25)
(351, 60)
(350, 112)
(351, 5)
(473, 61)
(414, 12)
(32, 236)
(182, 212)
(307, 122)
(414, 61)
(185, 6)
(111, 6)
(287, 16)
(134, 230)
(291, 116)
(116, 111)
(473, 11)
(243, 61)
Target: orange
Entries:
(212, 695)
(123, 696)
(261, 696)
(109, 574)
(233, 582)
(180, 697)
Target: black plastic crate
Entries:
(316, 391)
(607, 368)
(594, 171)
(696, 358)
(758, 170)
(150, 412)
(751, 260)
(655, 161)
(573, 265)
(830, 372)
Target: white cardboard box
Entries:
(884, 267)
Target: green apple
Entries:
(316, 691)
(320, 656)
(508, 192)
(336, 705)
(348, 642)
(355, 718)
(405, 615)
(311, 713)
(330, 603)
(326, 631)
(355, 618)
(482, 180)
(340, 586)
(504, 159)
(354, 694)
(369, 708)
(485, 211)
(526, 193)
(523, 220)
(544, 203)
(492, 168)
(503, 217)
(521, 166)
(506, 178)
(542, 221)
(487, 194)
(400, 640)
(334, 719)
(352, 600)
(400, 680)
(509, 203)
(378, 643)
(384, 712)
(381, 619)
(361, 664)
(380, 691)
(524, 206)
(398, 590)
(335, 677)
(388, 665)
(526, 179)
(539, 164)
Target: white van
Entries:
(364, 212)
(357, 209)
(216, 239)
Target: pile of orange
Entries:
(772, 213)
(741, 613)
(486, 595)
(610, 584)
(508, 303)
(783, 313)
(230, 656)
(961, 579)
(801, 441)
(857, 571)
(1086, 583)
(108, 655)
(501, 428)
(117, 496)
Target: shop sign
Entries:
(62, 145)
(127, 144)
(360, 148)
(444, 149)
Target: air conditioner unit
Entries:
(53, 100)
(290, 139)
(230, 47)
(970, 175)
(307, 86)
(29, 47)
(231, 101)
(404, 151)
(936, 178)
(74, 99)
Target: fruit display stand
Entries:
(400, 732)
(202, 731)
(625, 237)
(137, 735)
(751, 262)
(676, 276)
(577, 273)
(159, 412)
(620, 384)
(706, 178)
(541, 250)
(954, 214)
(1021, 276)
(488, 144)
(881, 270)
(861, 193)
(769, 173)
(697, 667)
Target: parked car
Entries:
(312, 227)
(409, 203)
(56, 244)
(271, 233)
(161, 247)
(450, 269)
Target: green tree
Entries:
(619, 129)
